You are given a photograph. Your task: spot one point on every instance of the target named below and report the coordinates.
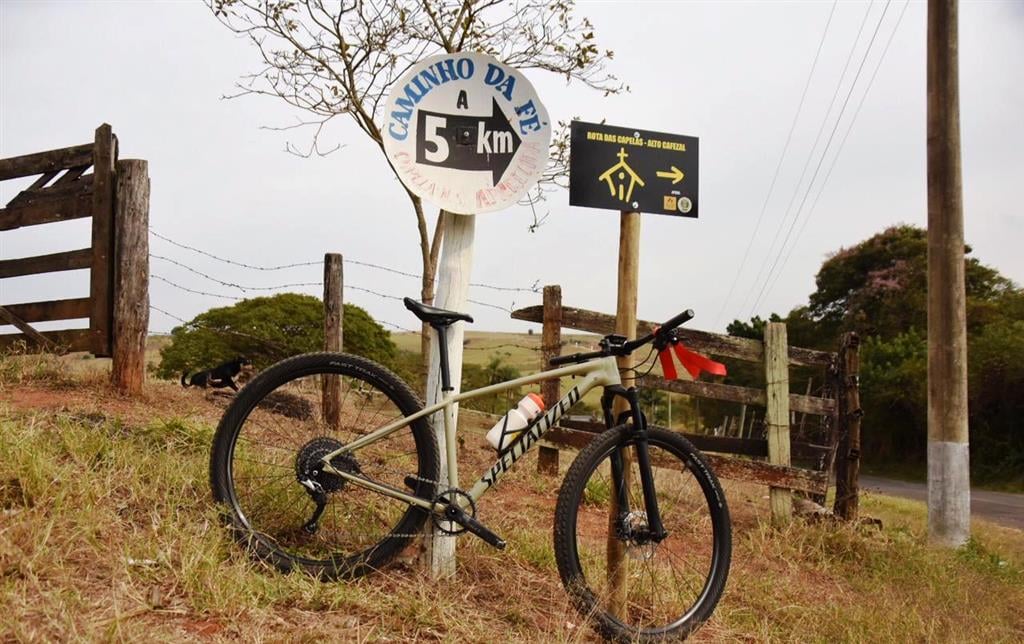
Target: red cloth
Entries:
(694, 363)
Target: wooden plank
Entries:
(70, 340)
(39, 162)
(24, 327)
(131, 277)
(776, 376)
(551, 347)
(333, 319)
(61, 341)
(778, 477)
(45, 211)
(66, 261)
(101, 276)
(53, 310)
(714, 390)
(723, 444)
(713, 343)
(56, 192)
(42, 180)
(734, 393)
(71, 175)
(725, 467)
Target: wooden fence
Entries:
(115, 195)
(738, 457)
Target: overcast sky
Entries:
(731, 74)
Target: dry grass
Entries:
(107, 532)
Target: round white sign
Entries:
(466, 132)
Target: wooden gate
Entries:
(64, 191)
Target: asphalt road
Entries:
(1003, 508)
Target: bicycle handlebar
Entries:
(678, 320)
(576, 357)
(629, 347)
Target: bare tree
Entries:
(341, 58)
(334, 58)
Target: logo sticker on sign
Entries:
(466, 132)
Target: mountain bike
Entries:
(642, 536)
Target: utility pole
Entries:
(949, 489)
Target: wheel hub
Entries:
(309, 463)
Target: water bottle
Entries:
(515, 421)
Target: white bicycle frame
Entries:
(602, 372)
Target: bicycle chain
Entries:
(435, 483)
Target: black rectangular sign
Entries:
(622, 168)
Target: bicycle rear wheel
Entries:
(265, 466)
(633, 587)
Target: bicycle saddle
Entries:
(434, 316)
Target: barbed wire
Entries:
(189, 290)
(232, 284)
(277, 287)
(534, 288)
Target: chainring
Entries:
(449, 496)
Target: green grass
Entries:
(107, 532)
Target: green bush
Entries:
(266, 330)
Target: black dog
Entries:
(220, 376)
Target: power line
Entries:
(839, 151)
(810, 156)
(778, 167)
(824, 153)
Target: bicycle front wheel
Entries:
(635, 587)
(266, 465)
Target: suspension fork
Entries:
(643, 460)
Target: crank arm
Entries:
(454, 513)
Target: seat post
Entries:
(442, 348)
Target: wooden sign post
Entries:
(630, 170)
(625, 324)
(469, 134)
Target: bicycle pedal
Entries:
(458, 515)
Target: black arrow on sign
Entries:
(463, 142)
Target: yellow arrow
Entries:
(676, 175)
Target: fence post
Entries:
(131, 275)
(848, 452)
(101, 278)
(551, 344)
(776, 370)
(333, 321)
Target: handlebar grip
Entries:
(682, 318)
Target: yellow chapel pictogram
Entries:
(620, 188)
